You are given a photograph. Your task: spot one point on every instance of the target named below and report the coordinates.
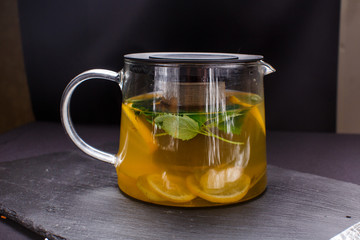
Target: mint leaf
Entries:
(229, 122)
(232, 124)
(143, 105)
(180, 127)
(199, 118)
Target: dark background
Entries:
(299, 38)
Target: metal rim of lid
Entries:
(192, 57)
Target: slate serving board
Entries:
(70, 196)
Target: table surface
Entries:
(330, 155)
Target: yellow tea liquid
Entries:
(192, 157)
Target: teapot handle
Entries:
(65, 111)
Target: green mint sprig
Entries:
(185, 126)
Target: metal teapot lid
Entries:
(189, 80)
(192, 57)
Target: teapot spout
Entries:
(267, 68)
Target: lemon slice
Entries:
(215, 180)
(140, 127)
(215, 190)
(169, 187)
(254, 111)
(144, 187)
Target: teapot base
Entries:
(129, 187)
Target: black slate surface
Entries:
(70, 196)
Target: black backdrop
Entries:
(299, 38)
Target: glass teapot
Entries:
(192, 127)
